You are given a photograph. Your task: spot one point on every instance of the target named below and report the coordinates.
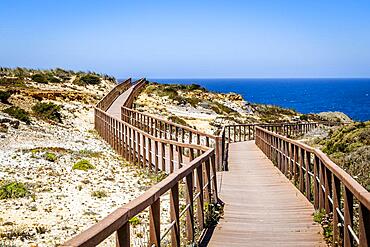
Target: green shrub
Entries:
(178, 120)
(18, 113)
(134, 221)
(4, 96)
(89, 80)
(192, 101)
(54, 79)
(50, 156)
(303, 117)
(221, 108)
(13, 190)
(40, 78)
(48, 111)
(83, 165)
(192, 87)
(99, 193)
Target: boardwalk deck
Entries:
(115, 108)
(262, 207)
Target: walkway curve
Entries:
(262, 207)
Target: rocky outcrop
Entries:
(335, 117)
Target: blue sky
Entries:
(189, 39)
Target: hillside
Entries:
(194, 106)
(57, 177)
(348, 147)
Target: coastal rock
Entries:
(335, 117)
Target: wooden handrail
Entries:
(324, 183)
(130, 113)
(108, 99)
(134, 138)
(121, 216)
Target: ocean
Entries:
(351, 96)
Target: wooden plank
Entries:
(262, 207)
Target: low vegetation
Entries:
(19, 77)
(83, 165)
(4, 96)
(48, 111)
(87, 80)
(271, 113)
(99, 193)
(177, 120)
(321, 217)
(18, 113)
(50, 157)
(13, 190)
(134, 221)
(349, 147)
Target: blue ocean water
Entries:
(351, 96)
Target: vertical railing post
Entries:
(364, 231)
(174, 212)
(348, 217)
(123, 236)
(336, 205)
(200, 202)
(155, 224)
(190, 211)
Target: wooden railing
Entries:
(135, 92)
(182, 161)
(184, 153)
(324, 183)
(204, 194)
(143, 149)
(108, 99)
(165, 129)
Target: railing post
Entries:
(174, 212)
(316, 184)
(200, 202)
(336, 203)
(155, 224)
(364, 231)
(171, 158)
(218, 153)
(207, 192)
(123, 236)
(214, 179)
(348, 217)
(190, 211)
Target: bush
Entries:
(13, 190)
(40, 78)
(89, 80)
(50, 156)
(178, 120)
(83, 165)
(99, 193)
(192, 87)
(18, 113)
(4, 96)
(48, 111)
(134, 221)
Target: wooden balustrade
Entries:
(136, 145)
(195, 194)
(166, 129)
(108, 99)
(324, 183)
(191, 158)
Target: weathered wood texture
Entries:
(323, 183)
(262, 207)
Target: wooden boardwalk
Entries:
(262, 207)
